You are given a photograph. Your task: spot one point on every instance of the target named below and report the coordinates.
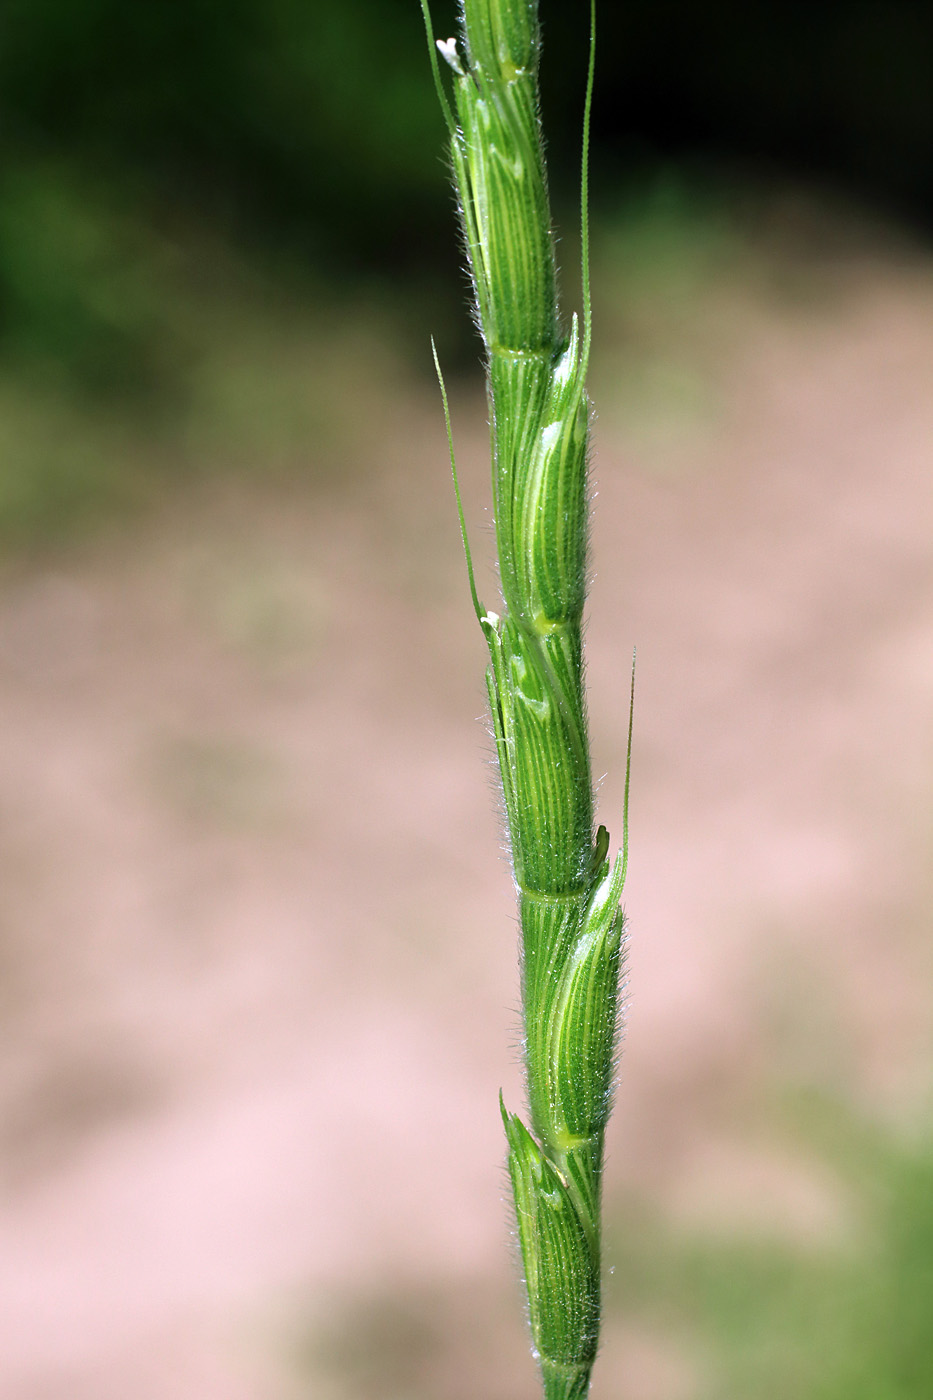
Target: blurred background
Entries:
(257, 947)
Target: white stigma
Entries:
(448, 49)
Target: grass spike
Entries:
(569, 889)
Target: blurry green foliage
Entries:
(268, 114)
(148, 148)
(223, 369)
(314, 123)
(80, 284)
(840, 1320)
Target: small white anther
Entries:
(448, 50)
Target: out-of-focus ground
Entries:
(257, 961)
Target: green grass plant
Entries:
(568, 887)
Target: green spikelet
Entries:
(568, 890)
